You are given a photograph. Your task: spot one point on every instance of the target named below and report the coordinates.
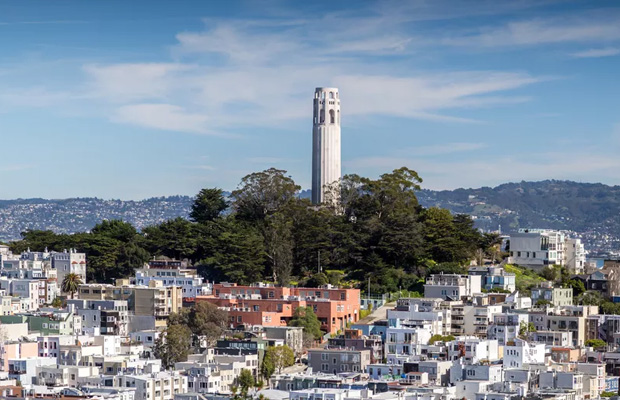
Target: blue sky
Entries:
(135, 99)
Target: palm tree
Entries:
(70, 283)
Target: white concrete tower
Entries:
(325, 142)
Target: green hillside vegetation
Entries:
(264, 231)
(525, 278)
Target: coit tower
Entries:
(325, 142)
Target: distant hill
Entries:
(81, 214)
(591, 211)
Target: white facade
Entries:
(326, 166)
(541, 247)
(191, 283)
(452, 286)
(575, 255)
(524, 353)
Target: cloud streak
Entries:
(597, 53)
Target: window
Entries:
(332, 117)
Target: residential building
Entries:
(553, 295)
(495, 277)
(452, 286)
(268, 305)
(338, 360)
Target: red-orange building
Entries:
(274, 306)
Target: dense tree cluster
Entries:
(265, 231)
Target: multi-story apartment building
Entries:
(523, 353)
(292, 336)
(153, 300)
(25, 289)
(213, 373)
(353, 339)
(69, 262)
(268, 305)
(495, 277)
(553, 338)
(154, 386)
(171, 273)
(505, 327)
(102, 317)
(338, 360)
(452, 286)
(569, 381)
(556, 296)
(537, 248)
(473, 350)
(565, 319)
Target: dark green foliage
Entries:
(317, 280)
(307, 319)
(208, 205)
(70, 283)
(578, 287)
(377, 231)
(203, 320)
(173, 345)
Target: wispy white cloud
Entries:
(443, 148)
(202, 167)
(597, 53)
(16, 167)
(567, 29)
(162, 116)
(256, 81)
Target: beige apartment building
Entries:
(155, 299)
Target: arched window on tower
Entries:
(332, 117)
(322, 116)
(331, 95)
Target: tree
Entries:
(578, 287)
(115, 229)
(276, 358)
(590, 298)
(440, 338)
(238, 254)
(596, 343)
(173, 345)
(208, 205)
(207, 320)
(245, 380)
(70, 283)
(57, 302)
(263, 193)
(279, 245)
(525, 328)
(307, 319)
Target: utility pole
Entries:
(319, 263)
